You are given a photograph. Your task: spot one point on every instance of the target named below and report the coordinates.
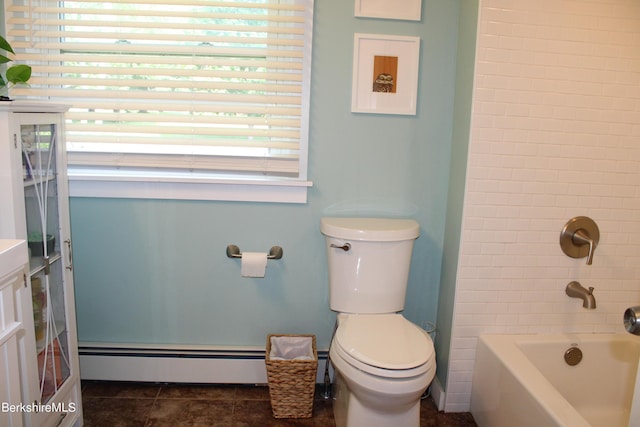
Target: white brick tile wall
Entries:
(555, 134)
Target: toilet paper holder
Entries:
(274, 253)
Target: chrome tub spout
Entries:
(576, 290)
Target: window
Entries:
(173, 93)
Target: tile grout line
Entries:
(233, 405)
(147, 421)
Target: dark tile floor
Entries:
(122, 404)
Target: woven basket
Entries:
(292, 383)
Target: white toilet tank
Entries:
(371, 275)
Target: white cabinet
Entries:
(15, 328)
(34, 206)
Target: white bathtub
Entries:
(523, 380)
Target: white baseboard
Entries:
(438, 394)
(181, 365)
(161, 369)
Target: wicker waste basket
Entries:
(292, 362)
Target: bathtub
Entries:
(524, 380)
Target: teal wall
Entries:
(460, 145)
(155, 271)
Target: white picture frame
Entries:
(385, 74)
(410, 10)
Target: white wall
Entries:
(555, 134)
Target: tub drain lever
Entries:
(631, 323)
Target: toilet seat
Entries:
(384, 344)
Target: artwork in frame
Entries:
(385, 74)
(410, 10)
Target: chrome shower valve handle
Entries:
(579, 238)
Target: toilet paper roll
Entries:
(254, 264)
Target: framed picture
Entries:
(397, 9)
(385, 74)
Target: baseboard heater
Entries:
(181, 364)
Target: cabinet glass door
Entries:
(39, 169)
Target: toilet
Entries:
(383, 363)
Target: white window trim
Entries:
(236, 190)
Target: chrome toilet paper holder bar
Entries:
(274, 253)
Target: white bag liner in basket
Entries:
(291, 348)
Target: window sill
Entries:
(188, 188)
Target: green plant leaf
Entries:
(4, 59)
(19, 73)
(4, 45)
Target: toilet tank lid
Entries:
(370, 229)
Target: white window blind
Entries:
(173, 87)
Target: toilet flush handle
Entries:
(344, 247)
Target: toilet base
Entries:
(349, 411)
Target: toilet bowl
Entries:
(383, 364)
